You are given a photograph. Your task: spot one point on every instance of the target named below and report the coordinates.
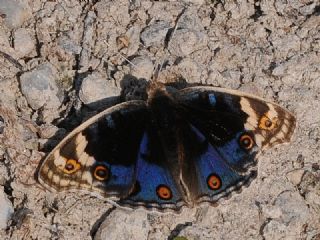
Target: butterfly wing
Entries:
(232, 128)
(100, 155)
(156, 187)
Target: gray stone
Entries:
(190, 20)
(154, 34)
(23, 43)
(185, 42)
(133, 35)
(40, 88)
(142, 67)
(15, 12)
(190, 70)
(4, 39)
(69, 45)
(6, 209)
(295, 176)
(293, 208)
(198, 2)
(120, 224)
(288, 217)
(96, 87)
(275, 230)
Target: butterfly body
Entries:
(177, 148)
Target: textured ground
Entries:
(60, 61)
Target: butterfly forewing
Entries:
(100, 154)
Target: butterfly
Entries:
(178, 148)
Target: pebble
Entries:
(69, 45)
(186, 41)
(48, 131)
(40, 88)
(190, 20)
(293, 207)
(96, 87)
(288, 216)
(190, 70)
(142, 67)
(198, 2)
(15, 12)
(295, 176)
(155, 34)
(23, 43)
(4, 39)
(6, 209)
(133, 35)
(124, 225)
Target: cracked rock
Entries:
(95, 87)
(289, 215)
(15, 12)
(6, 209)
(127, 226)
(142, 68)
(185, 42)
(190, 70)
(23, 43)
(42, 92)
(155, 34)
(295, 176)
(40, 88)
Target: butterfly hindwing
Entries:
(215, 178)
(155, 185)
(100, 155)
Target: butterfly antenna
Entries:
(121, 55)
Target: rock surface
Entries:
(15, 13)
(6, 209)
(59, 57)
(40, 88)
(95, 87)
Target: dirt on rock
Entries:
(59, 57)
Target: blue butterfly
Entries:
(175, 149)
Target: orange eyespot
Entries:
(246, 141)
(164, 192)
(214, 182)
(71, 166)
(266, 123)
(101, 173)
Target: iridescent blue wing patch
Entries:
(155, 185)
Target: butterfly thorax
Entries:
(166, 125)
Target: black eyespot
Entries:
(101, 173)
(246, 141)
(71, 166)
